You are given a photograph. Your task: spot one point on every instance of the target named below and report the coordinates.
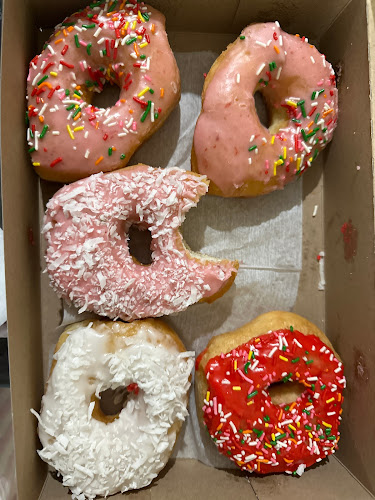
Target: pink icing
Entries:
(107, 133)
(88, 259)
(286, 69)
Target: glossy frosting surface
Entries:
(259, 435)
(88, 260)
(126, 46)
(231, 145)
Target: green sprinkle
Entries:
(156, 115)
(315, 154)
(242, 441)
(281, 436)
(295, 121)
(71, 106)
(240, 431)
(309, 361)
(31, 150)
(122, 156)
(294, 473)
(42, 80)
(109, 151)
(252, 148)
(306, 411)
(68, 24)
(318, 427)
(313, 95)
(142, 56)
(67, 91)
(242, 37)
(304, 135)
(287, 377)
(266, 418)
(252, 394)
(104, 52)
(90, 16)
(308, 427)
(295, 360)
(320, 92)
(284, 347)
(215, 439)
(303, 111)
(324, 130)
(316, 117)
(31, 134)
(328, 431)
(76, 112)
(151, 91)
(300, 103)
(258, 432)
(44, 131)
(323, 386)
(112, 7)
(147, 110)
(89, 83)
(287, 408)
(291, 434)
(291, 329)
(131, 40)
(88, 48)
(229, 452)
(145, 15)
(331, 438)
(272, 65)
(313, 387)
(88, 26)
(76, 41)
(247, 366)
(306, 352)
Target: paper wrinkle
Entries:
(3, 302)
(264, 234)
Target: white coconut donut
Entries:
(99, 454)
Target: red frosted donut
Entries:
(123, 43)
(88, 258)
(238, 154)
(244, 422)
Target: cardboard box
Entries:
(344, 31)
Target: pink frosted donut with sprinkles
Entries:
(86, 226)
(231, 146)
(288, 430)
(121, 43)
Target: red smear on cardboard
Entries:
(350, 239)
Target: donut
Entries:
(120, 43)
(86, 226)
(264, 428)
(99, 454)
(238, 154)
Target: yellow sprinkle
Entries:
(273, 436)
(53, 73)
(144, 44)
(36, 164)
(70, 131)
(310, 159)
(291, 426)
(330, 400)
(279, 162)
(283, 358)
(327, 425)
(274, 168)
(77, 96)
(310, 435)
(268, 445)
(272, 139)
(98, 160)
(236, 388)
(266, 424)
(126, 25)
(284, 155)
(208, 396)
(250, 403)
(142, 92)
(134, 25)
(235, 364)
(141, 17)
(291, 103)
(298, 163)
(58, 33)
(298, 424)
(250, 354)
(78, 128)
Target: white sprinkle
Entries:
(312, 59)
(41, 112)
(297, 343)
(152, 112)
(79, 29)
(234, 429)
(101, 40)
(50, 49)
(281, 40)
(279, 72)
(315, 211)
(255, 364)
(35, 79)
(86, 134)
(272, 352)
(87, 153)
(97, 32)
(264, 140)
(55, 132)
(338, 369)
(277, 24)
(312, 379)
(250, 161)
(331, 413)
(260, 43)
(238, 78)
(252, 138)
(122, 134)
(260, 69)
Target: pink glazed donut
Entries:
(238, 154)
(123, 43)
(88, 259)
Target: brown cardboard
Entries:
(340, 190)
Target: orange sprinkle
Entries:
(123, 32)
(41, 119)
(298, 375)
(292, 406)
(280, 430)
(113, 148)
(259, 453)
(78, 116)
(65, 33)
(257, 340)
(136, 49)
(97, 125)
(47, 84)
(98, 160)
(297, 35)
(295, 442)
(277, 50)
(131, 111)
(70, 29)
(78, 87)
(310, 124)
(115, 18)
(288, 461)
(248, 431)
(339, 396)
(121, 6)
(58, 41)
(280, 415)
(325, 96)
(152, 28)
(162, 92)
(219, 426)
(327, 112)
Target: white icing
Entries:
(95, 458)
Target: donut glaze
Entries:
(99, 454)
(238, 154)
(244, 422)
(125, 45)
(88, 260)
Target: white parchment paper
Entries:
(264, 234)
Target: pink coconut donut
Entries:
(88, 260)
(122, 43)
(238, 154)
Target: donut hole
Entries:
(111, 402)
(283, 393)
(262, 109)
(107, 97)
(139, 243)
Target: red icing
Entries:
(243, 429)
